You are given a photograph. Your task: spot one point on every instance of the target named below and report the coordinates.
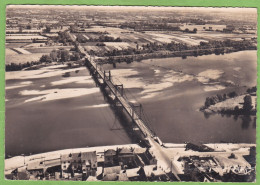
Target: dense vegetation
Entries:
(247, 104)
(211, 47)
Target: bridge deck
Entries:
(131, 112)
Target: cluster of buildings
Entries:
(125, 164)
(218, 166)
(139, 164)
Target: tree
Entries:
(247, 103)
(195, 30)
(76, 56)
(118, 39)
(236, 109)
(220, 97)
(45, 58)
(232, 94)
(207, 102)
(64, 55)
(20, 29)
(54, 55)
(251, 90)
(47, 29)
(28, 27)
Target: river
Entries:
(47, 110)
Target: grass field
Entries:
(10, 52)
(23, 58)
(40, 50)
(21, 37)
(21, 51)
(16, 45)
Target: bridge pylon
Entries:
(107, 75)
(119, 89)
(135, 108)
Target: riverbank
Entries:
(22, 161)
(166, 54)
(171, 149)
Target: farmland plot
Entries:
(21, 51)
(23, 37)
(33, 45)
(47, 49)
(161, 37)
(110, 46)
(103, 29)
(16, 45)
(90, 36)
(219, 36)
(23, 58)
(10, 52)
(118, 45)
(186, 39)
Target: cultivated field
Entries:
(23, 58)
(10, 52)
(160, 37)
(23, 37)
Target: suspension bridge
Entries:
(105, 79)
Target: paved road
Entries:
(163, 160)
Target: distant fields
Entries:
(21, 49)
(130, 39)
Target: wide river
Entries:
(47, 110)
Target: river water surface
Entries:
(46, 110)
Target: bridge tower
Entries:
(119, 89)
(107, 75)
